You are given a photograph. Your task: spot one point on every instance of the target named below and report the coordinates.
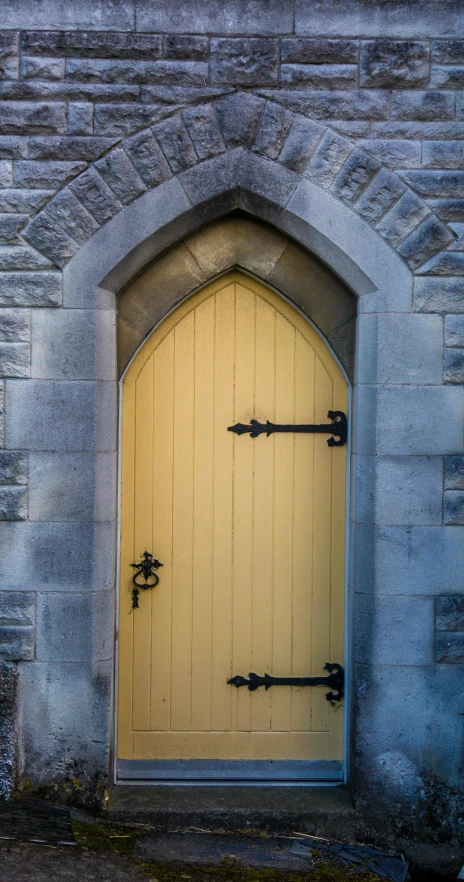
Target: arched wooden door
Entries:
(251, 535)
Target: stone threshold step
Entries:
(320, 811)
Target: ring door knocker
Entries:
(146, 570)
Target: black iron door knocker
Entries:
(146, 570)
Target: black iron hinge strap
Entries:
(335, 680)
(338, 428)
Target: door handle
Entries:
(146, 569)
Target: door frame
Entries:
(254, 773)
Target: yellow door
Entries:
(250, 532)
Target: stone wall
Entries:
(125, 128)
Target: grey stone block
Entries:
(16, 643)
(32, 554)
(2, 413)
(17, 608)
(394, 153)
(421, 130)
(453, 507)
(45, 175)
(380, 195)
(42, 68)
(443, 154)
(10, 227)
(50, 239)
(355, 175)
(449, 76)
(239, 117)
(203, 127)
(14, 359)
(240, 17)
(446, 263)
(13, 467)
(72, 487)
(118, 120)
(410, 420)
(13, 503)
(398, 489)
(454, 330)
(80, 118)
(339, 104)
(22, 257)
(449, 647)
(438, 295)
(329, 156)
(396, 349)
(319, 76)
(70, 148)
(185, 46)
(446, 209)
(73, 344)
(148, 158)
(120, 175)
(30, 289)
(9, 52)
(22, 118)
(69, 215)
(447, 51)
(300, 144)
(394, 63)
(87, 417)
(8, 731)
(454, 366)
(95, 195)
(24, 201)
(93, 15)
(274, 125)
(436, 183)
(423, 105)
(64, 627)
(454, 473)
(14, 325)
(83, 43)
(13, 147)
(321, 51)
(101, 70)
(394, 630)
(175, 143)
(430, 236)
(28, 90)
(6, 173)
(378, 20)
(245, 61)
(449, 613)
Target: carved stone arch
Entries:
(237, 240)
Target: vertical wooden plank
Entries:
(202, 598)
(182, 514)
(263, 513)
(243, 503)
(143, 540)
(125, 630)
(322, 547)
(224, 356)
(163, 404)
(303, 533)
(283, 522)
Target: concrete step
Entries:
(321, 811)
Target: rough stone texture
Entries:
(390, 64)
(438, 295)
(244, 62)
(8, 690)
(449, 613)
(13, 503)
(454, 330)
(449, 647)
(454, 366)
(454, 473)
(453, 507)
(30, 289)
(13, 467)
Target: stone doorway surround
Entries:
(144, 202)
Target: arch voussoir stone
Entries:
(302, 148)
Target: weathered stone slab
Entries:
(22, 257)
(92, 15)
(450, 76)
(62, 486)
(17, 608)
(120, 175)
(239, 117)
(123, 119)
(72, 344)
(14, 325)
(24, 201)
(443, 154)
(148, 158)
(2, 413)
(19, 117)
(337, 104)
(80, 118)
(239, 17)
(380, 195)
(66, 210)
(74, 148)
(45, 175)
(14, 359)
(407, 639)
(398, 489)
(320, 51)
(13, 467)
(423, 105)
(42, 68)
(13, 147)
(101, 70)
(394, 63)
(64, 627)
(446, 263)
(449, 647)
(448, 51)
(95, 195)
(454, 330)
(300, 143)
(245, 61)
(203, 127)
(453, 507)
(11, 226)
(6, 173)
(28, 90)
(184, 46)
(446, 209)
(438, 295)
(355, 175)
(454, 366)
(74, 44)
(176, 144)
(319, 76)
(9, 55)
(449, 613)
(329, 156)
(16, 642)
(8, 687)
(418, 129)
(44, 234)
(30, 289)
(394, 154)
(436, 183)
(274, 125)
(425, 240)
(13, 505)
(397, 348)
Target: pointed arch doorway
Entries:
(251, 535)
